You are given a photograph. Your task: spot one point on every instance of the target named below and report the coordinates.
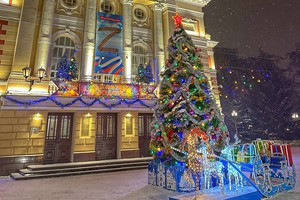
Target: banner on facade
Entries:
(109, 44)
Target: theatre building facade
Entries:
(104, 113)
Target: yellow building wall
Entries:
(8, 37)
(15, 136)
(129, 141)
(85, 143)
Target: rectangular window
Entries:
(129, 126)
(86, 123)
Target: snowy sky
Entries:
(247, 25)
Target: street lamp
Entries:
(26, 74)
(235, 114)
(295, 116)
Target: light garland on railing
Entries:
(102, 101)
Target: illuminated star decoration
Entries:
(177, 18)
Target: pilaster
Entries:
(89, 41)
(158, 38)
(127, 37)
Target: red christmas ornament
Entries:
(170, 134)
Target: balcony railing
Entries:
(107, 78)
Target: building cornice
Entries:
(201, 3)
(10, 12)
(130, 2)
(211, 43)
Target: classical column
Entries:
(44, 40)
(127, 37)
(158, 39)
(89, 41)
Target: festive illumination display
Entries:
(106, 102)
(148, 74)
(104, 90)
(177, 18)
(185, 101)
(140, 74)
(239, 80)
(67, 70)
(144, 74)
(189, 140)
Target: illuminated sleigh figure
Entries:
(269, 174)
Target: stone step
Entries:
(19, 176)
(66, 169)
(25, 172)
(89, 163)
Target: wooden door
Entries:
(145, 120)
(106, 136)
(58, 138)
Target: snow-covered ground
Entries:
(128, 185)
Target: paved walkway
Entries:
(128, 185)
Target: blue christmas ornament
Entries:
(159, 153)
(180, 134)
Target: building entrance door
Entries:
(58, 138)
(145, 120)
(106, 136)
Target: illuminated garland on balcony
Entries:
(102, 101)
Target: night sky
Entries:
(247, 25)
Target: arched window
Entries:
(70, 3)
(139, 56)
(63, 45)
(107, 7)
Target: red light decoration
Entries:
(177, 18)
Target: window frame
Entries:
(60, 47)
(107, 4)
(139, 57)
(68, 2)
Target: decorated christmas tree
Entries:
(148, 74)
(73, 70)
(67, 70)
(140, 74)
(185, 102)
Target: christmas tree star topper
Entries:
(177, 18)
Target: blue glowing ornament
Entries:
(159, 153)
(180, 135)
